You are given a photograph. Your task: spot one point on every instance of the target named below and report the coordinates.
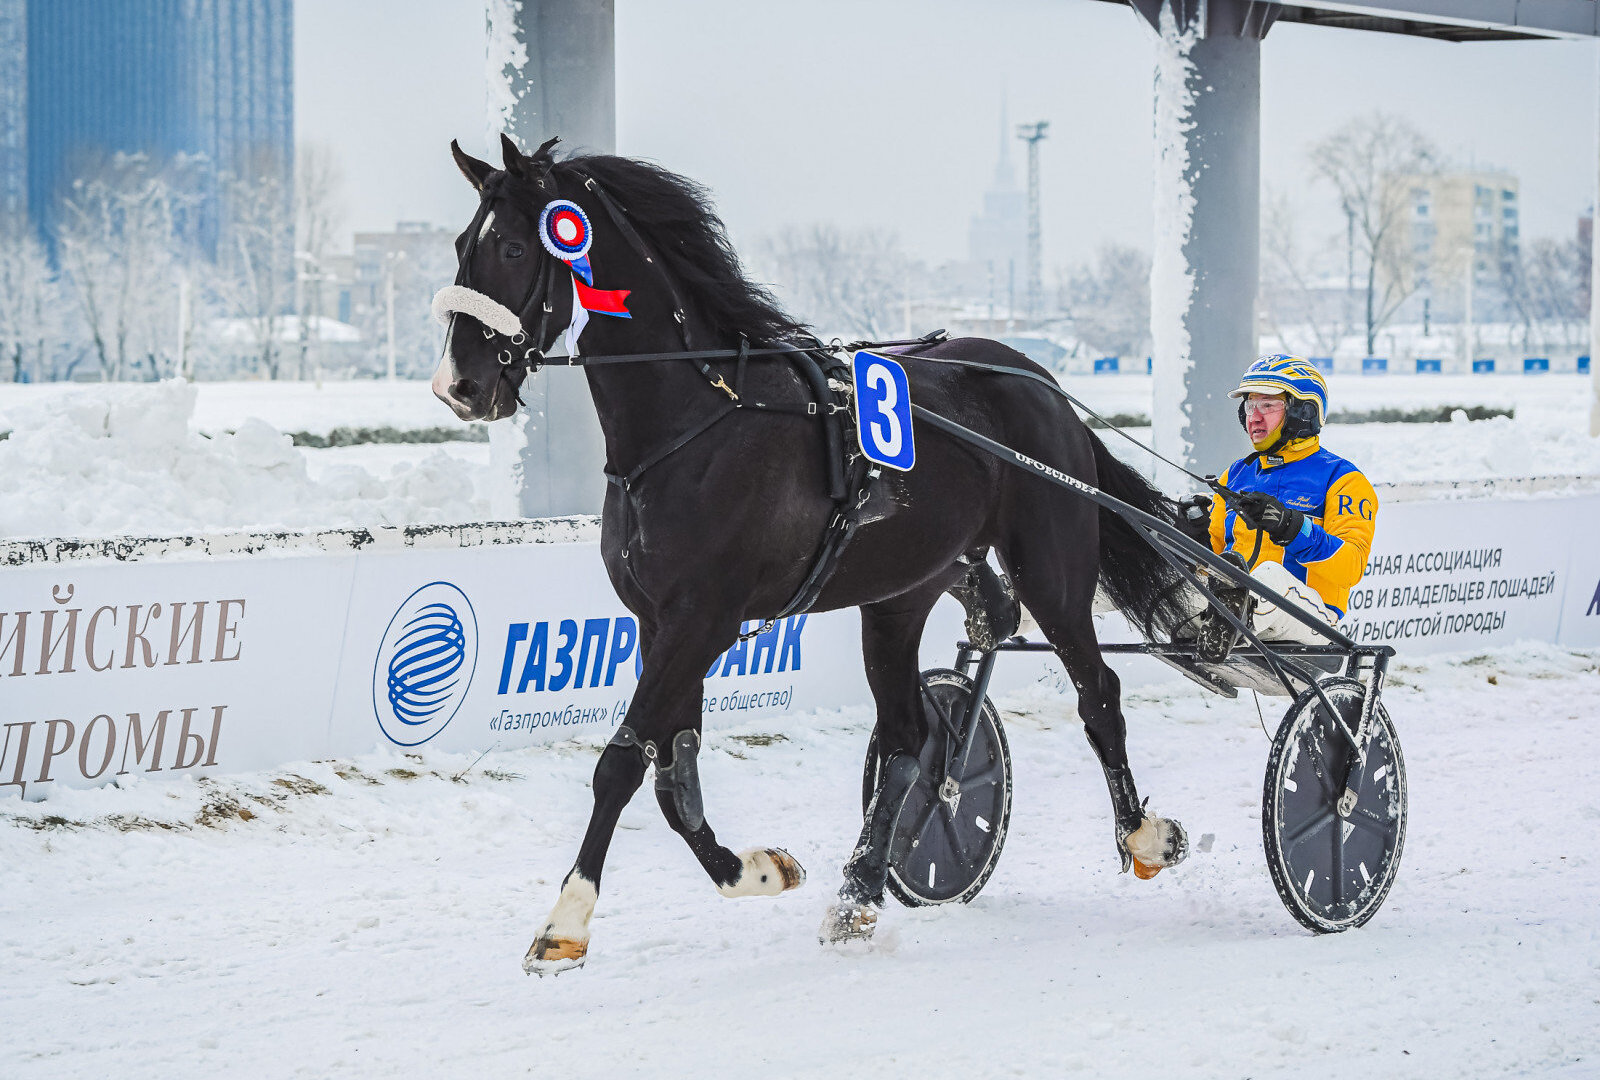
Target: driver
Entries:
(1303, 520)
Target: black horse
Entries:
(721, 493)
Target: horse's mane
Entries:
(675, 217)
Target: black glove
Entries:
(1194, 518)
(1261, 511)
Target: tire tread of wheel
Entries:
(1287, 892)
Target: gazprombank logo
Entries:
(425, 663)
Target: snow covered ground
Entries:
(367, 918)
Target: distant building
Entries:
(997, 239)
(1453, 220)
(413, 261)
(83, 79)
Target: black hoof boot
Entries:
(993, 613)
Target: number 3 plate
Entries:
(883, 411)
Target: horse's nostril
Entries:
(463, 389)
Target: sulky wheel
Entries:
(953, 825)
(1333, 872)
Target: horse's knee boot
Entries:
(868, 868)
(621, 766)
(679, 780)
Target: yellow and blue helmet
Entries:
(1298, 379)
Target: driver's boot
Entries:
(1216, 636)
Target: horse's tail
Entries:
(1142, 584)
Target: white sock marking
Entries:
(570, 917)
(760, 876)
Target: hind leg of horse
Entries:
(891, 632)
(663, 727)
(1059, 592)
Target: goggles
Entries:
(1265, 405)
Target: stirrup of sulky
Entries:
(1217, 636)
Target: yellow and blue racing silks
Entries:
(1338, 501)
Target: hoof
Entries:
(848, 922)
(765, 872)
(553, 955)
(1156, 844)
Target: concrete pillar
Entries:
(556, 65)
(1594, 303)
(1206, 260)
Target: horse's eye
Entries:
(513, 251)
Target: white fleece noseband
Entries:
(454, 299)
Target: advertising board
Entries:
(189, 662)
(1580, 608)
(508, 646)
(1450, 575)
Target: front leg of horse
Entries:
(754, 872)
(854, 916)
(564, 942)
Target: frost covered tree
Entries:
(418, 337)
(1363, 161)
(255, 254)
(1543, 289)
(318, 210)
(1297, 306)
(32, 327)
(1109, 301)
(850, 284)
(119, 246)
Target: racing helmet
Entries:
(1303, 387)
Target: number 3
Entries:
(886, 432)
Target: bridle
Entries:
(539, 288)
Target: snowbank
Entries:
(128, 459)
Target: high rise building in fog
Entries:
(83, 79)
(997, 239)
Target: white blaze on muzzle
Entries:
(458, 299)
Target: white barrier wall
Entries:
(1451, 575)
(231, 653)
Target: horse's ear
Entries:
(474, 170)
(513, 158)
(542, 157)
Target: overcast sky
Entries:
(886, 112)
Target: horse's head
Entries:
(528, 277)
(500, 311)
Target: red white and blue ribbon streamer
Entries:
(564, 229)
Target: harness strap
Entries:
(627, 481)
(619, 218)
